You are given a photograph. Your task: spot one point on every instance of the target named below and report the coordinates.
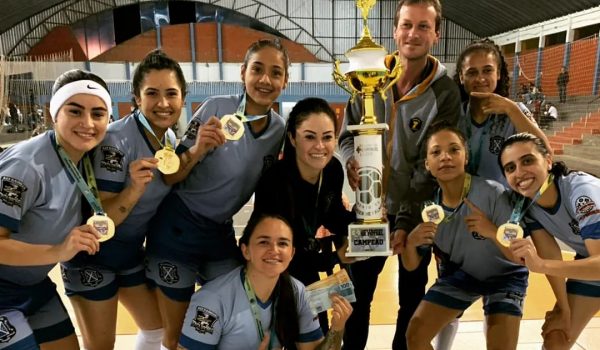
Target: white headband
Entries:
(66, 91)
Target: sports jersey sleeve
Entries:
(310, 330)
(111, 163)
(584, 201)
(337, 218)
(203, 324)
(352, 115)
(201, 116)
(20, 187)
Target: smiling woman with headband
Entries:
(131, 187)
(42, 180)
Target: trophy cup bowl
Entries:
(367, 75)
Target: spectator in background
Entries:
(550, 115)
(561, 81)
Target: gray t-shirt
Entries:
(124, 143)
(220, 317)
(220, 184)
(472, 253)
(39, 201)
(576, 216)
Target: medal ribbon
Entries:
(475, 153)
(256, 313)
(142, 118)
(89, 189)
(311, 230)
(463, 195)
(240, 112)
(517, 214)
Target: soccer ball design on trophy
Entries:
(371, 187)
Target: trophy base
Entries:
(368, 239)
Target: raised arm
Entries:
(208, 137)
(118, 205)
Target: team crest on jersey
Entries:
(7, 330)
(585, 206)
(205, 320)
(415, 124)
(192, 129)
(168, 272)
(574, 225)
(91, 277)
(112, 159)
(496, 144)
(12, 190)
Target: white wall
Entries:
(556, 25)
(314, 72)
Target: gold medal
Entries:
(508, 232)
(233, 127)
(104, 225)
(168, 161)
(433, 213)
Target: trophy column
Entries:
(366, 76)
(370, 235)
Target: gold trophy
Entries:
(367, 74)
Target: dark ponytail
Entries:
(287, 326)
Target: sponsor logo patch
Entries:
(205, 320)
(192, 129)
(112, 159)
(12, 191)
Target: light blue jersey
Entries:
(485, 141)
(576, 216)
(39, 201)
(220, 317)
(477, 256)
(124, 143)
(221, 183)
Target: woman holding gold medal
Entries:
(565, 207)
(229, 142)
(127, 165)
(42, 180)
(461, 225)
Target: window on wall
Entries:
(555, 39)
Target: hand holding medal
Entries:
(512, 230)
(433, 213)
(233, 124)
(168, 160)
(508, 232)
(103, 224)
(100, 221)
